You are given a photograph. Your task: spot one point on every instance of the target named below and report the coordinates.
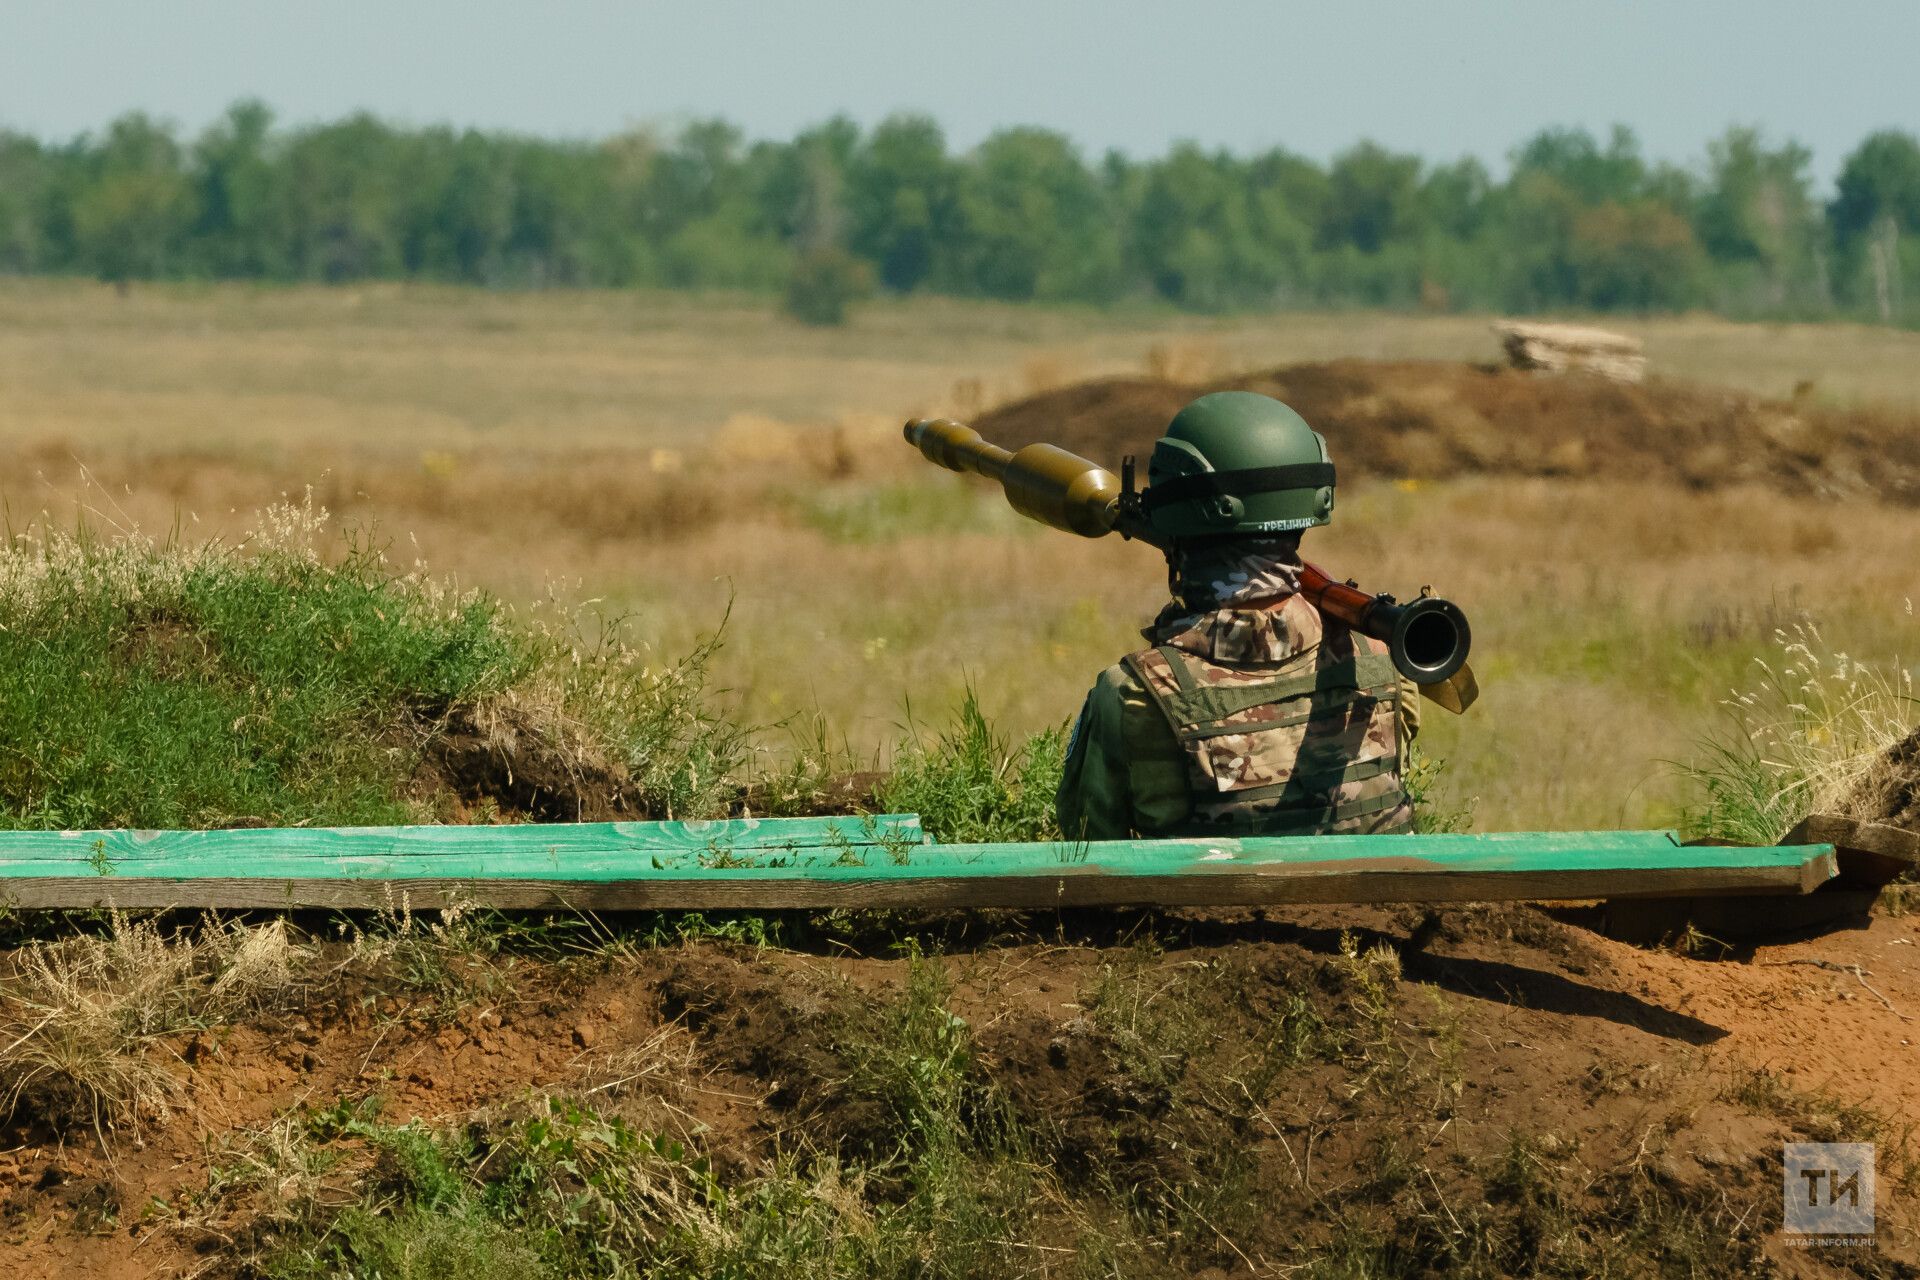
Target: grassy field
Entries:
(1338, 1092)
(401, 368)
(678, 461)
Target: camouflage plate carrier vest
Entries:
(1304, 744)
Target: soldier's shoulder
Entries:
(1119, 692)
(1118, 680)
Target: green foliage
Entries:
(971, 785)
(1211, 234)
(824, 283)
(420, 1244)
(148, 684)
(902, 195)
(1435, 812)
(682, 750)
(913, 1059)
(1152, 1023)
(1036, 222)
(129, 212)
(1740, 795)
(1880, 181)
(564, 1190)
(151, 685)
(817, 220)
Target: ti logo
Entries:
(1829, 1191)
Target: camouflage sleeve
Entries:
(1409, 711)
(1091, 803)
(1125, 773)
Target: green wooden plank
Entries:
(449, 850)
(852, 849)
(763, 865)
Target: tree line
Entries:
(1577, 222)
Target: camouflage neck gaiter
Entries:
(1220, 575)
(1205, 577)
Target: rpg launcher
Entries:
(1426, 637)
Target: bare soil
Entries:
(1626, 1074)
(1429, 420)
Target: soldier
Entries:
(1250, 713)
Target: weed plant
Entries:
(1435, 810)
(83, 1016)
(1810, 736)
(971, 784)
(564, 1189)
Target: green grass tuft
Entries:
(971, 784)
(1435, 809)
(566, 1190)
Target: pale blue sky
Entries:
(1440, 79)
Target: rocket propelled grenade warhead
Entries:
(957, 447)
(1042, 481)
(1427, 638)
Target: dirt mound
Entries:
(1472, 1081)
(1433, 419)
(1903, 809)
(1891, 795)
(503, 759)
(498, 761)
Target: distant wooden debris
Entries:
(885, 861)
(1558, 348)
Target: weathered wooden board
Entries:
(1869, 854)
(877, 863)
(1867, 857)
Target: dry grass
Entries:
(1606, 648)
(1814, 733)
(402, 369)
(80, 1017)
(668, 456)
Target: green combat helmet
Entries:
(1235, 462)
